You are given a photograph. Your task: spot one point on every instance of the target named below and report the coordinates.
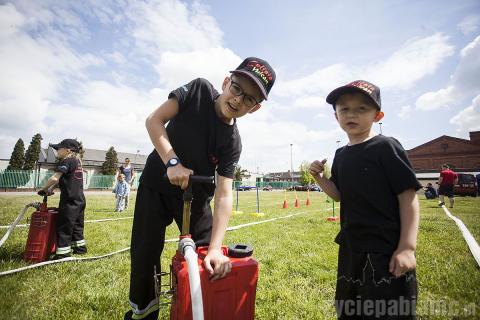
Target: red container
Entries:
(41, 242)
(232, 297)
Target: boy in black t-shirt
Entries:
(69, 222)
(201, 138)
(376, 185)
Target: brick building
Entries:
(461, 154)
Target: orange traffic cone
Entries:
(333, 219)
(284, 204)
(308, 202)
(296, 203)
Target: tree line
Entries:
(27, 160)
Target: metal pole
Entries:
(338, 144)
(236, 207)
(136, 158)
(258, 202)
(291, 160)
(380, 127)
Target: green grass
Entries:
(297, 257)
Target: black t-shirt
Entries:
(71, 181)
(369, 177)
(200, 139)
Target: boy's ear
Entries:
(379, 116)
(225, 82)
(255, 108)
(336, 117)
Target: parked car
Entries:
(245, 188)
(466, 185)
(267, 188)
(311, 187)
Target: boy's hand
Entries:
(317, 168)
(221, 264)
(402, 260)
(179, 175)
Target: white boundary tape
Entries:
(471, 242)
(86, 221)
(70, 259)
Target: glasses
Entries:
(236, 90)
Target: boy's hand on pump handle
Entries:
(179, 175)
(317, 167)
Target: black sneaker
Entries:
(151, 316)
(60, 256)
(79, 250)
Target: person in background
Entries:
(478, 183)
(129, 172)
(121, 192)
(446, 181)
(430, 192)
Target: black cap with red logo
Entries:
(362, 86)
(260, 72)
(71, 144)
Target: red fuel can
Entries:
(41, 242)
(232, 297)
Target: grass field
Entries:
(297, 258)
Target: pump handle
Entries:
(196, 179)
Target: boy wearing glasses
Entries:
(201, 138)
(376, 185)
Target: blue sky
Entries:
(95, 69)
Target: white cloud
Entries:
(415, 60)
(464, 82)
(405, 112)
(318, 82)
(469, 118)
(117, 57)
(182, 42)
(176, 69)
(469, 24)
(267, 143)
(171, 25)
(310, 102)
(34, 71)
(435, 100)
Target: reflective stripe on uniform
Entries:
(63, 250)
(79, 243)
(141, 314)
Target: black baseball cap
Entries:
(71, 144)
(259, 71)
(362, 86)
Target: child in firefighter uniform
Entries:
(70, 219)
(202, 138)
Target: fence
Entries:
(20, 179)
(263, 184)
